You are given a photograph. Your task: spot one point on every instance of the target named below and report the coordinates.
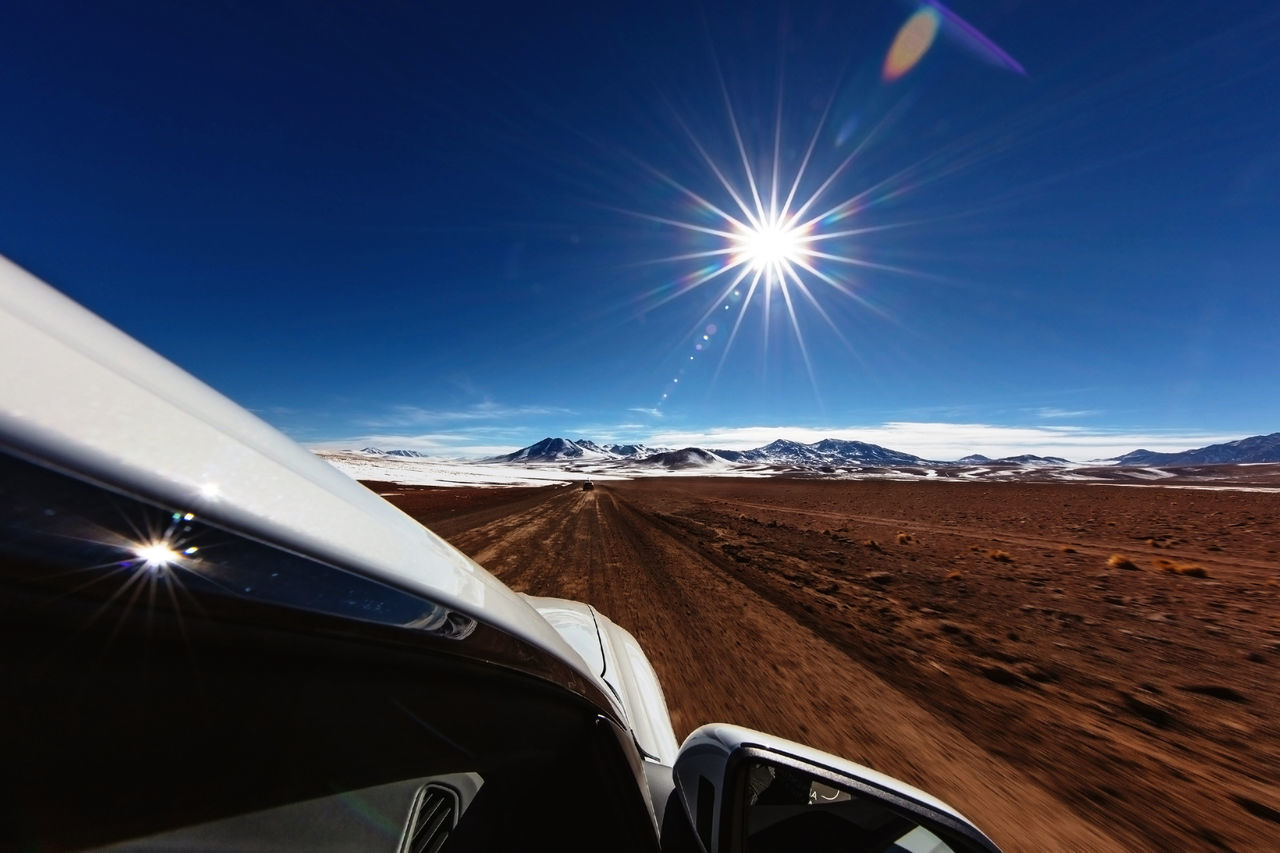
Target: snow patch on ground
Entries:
(410, 471)
(424, 472)
(446, 473)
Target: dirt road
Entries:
(971, 640)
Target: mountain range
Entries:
(1257, 448)
(830, 453)
(827, 453)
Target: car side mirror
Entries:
(749, 792)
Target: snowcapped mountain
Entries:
(839, 451)
(1256, 448)
(1028, 459)
(408, 454)
(784, 452)
(974, 459)
(689, 457)
(554, 450)
(828, 452)
(635, 451)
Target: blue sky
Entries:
(464, 229)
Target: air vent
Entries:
(431, 820)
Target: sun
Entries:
(776, 232)
(773, 247)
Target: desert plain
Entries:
(1078, 667)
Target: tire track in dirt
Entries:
(724, 652)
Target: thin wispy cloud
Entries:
(653, 413)
(1050, 413)
(488, 410)
(459, 445)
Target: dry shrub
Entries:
(1272, 582)
(975, 547)
(953, 575)
(872, 544)
(904, 538)
(1000, 556)
(1120, 561)
(1173, 568)
(1066, 549)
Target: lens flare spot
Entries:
(912, 42)
(156, 555)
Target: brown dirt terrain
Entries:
(976, 640)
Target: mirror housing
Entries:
(725, 778)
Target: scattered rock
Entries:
(880, 577)
(1217, 691)
(1037, 672)
(1149, 708)
(1001, 674)
(1257, 809)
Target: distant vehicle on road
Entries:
(216, 641)
(587, 485)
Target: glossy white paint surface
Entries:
(616, 656)
(76, 391)
(576, 624)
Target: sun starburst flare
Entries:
(773, 241)
(783, 228)
(772, 248)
